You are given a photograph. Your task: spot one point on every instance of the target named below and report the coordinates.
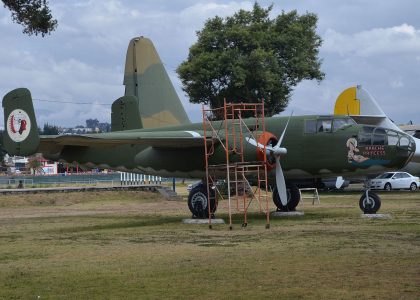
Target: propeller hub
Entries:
(279, 151)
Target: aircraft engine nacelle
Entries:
(266, 139)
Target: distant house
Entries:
(15, 164)
(48, 167)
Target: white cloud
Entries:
(402, 39)
(397, 83)
(83, 60)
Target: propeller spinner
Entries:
(277, 151)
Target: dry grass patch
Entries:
(144, 251)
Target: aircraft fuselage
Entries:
(317, 146)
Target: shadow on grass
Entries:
(144, 221)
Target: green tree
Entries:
(92, 123)
(35, 164)
(34, 15)
(249, 57)
(50, 129)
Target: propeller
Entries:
(277, 151)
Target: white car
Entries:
(394, 180)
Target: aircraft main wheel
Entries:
(387, 186)
(197, 202)
(413, 186)
(370, 204)
(293, 198)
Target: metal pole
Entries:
(227, 164)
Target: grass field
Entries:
(132, 245)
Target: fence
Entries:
(110, 179)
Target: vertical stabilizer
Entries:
(358, 103)
(145, 77)
(21, 131)
(125, 114)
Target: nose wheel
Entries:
(370, 202)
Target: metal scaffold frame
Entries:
(236, 171)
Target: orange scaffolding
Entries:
(240, 175)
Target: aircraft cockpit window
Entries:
(379, 139)
(324, 125)
(310, 126)
(371, 135)
(368, 129)
(341, 123)
(364, 139)
(392, 138)
(404, 141)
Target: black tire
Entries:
(413, 186)
(197, 202)
(293, 198)
(371, 204)
(387, 187)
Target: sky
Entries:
(373, 43)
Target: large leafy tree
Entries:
(249, 57)
(34, 15)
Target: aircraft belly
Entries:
(182, 162)
(115, 158)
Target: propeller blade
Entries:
(253, 142)
(284, 131)
(280, 182)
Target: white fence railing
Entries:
(135, 179)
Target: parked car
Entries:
(395, 180)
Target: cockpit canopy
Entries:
(327, 124)
(371, 135)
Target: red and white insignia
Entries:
(18, 125)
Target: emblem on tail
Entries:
(22, 136)
(18, 125)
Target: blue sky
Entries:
(373, 43)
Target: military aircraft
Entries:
(152, 134)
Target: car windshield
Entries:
(385, 175)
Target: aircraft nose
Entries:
(416, 156)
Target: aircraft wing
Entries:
(161, 139)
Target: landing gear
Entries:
(369, 202)
(198, 200)
(293, 198)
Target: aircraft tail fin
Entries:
(145, 77)
(21, 135)
(125, 114)
(358, 103)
